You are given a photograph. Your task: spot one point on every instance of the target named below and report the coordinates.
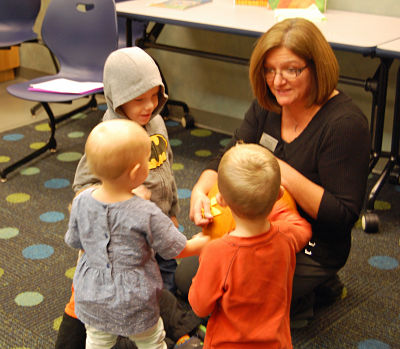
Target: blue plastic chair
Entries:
(17, 18)
(81, 34)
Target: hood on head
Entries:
(128, 73)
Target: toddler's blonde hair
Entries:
(115, 146)
(249, 180)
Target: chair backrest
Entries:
(81, 34)
(17, 18)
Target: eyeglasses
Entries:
(288, 74)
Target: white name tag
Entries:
(268, 142)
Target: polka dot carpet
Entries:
(36, 267)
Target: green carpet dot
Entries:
(42, 127)
(57, 323)
(70, 273)
(76, 134)
(37, 145)
(203, 153)
(177, 166)
(79, 116)
(20, 348)
(69, 156)
(4, 158)
(1, 272)
(30, 171)
(382, 205)
(29, 299)
(8, 232)
(224, 142)
(200, 132)
(18, 198)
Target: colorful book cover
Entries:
(277, 4)
(262, 3)
(180, 4)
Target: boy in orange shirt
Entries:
(244, 280)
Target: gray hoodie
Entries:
(128, 73)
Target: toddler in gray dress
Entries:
(117, 280)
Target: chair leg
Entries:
(51, 143)
(91, 104)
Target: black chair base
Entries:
(51, 143)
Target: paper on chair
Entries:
(66, 86)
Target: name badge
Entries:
(268, 142)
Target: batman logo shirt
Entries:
(158, 151)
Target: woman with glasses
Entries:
(322, 143)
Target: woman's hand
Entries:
(200, 207)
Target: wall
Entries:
(218, 93)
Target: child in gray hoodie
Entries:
(134, 90)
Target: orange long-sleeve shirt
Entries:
(246, 285)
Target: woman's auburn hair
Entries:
(306, 41)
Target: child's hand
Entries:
(175, 221)
(142, 192)
(194, 245)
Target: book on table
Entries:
(284, 4)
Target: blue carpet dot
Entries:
(8, 232)
(397, 188)
(383, 262)
(29, 299)
(57, 183)
(184, 193)
(12, 137)
(175, 142)
(39, 251)
(181, 228)
(372, 344)
(52, 217)
(102, 107)
(171, 123)
(224, 142)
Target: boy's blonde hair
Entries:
(249, 179)
(306, 41)
(115, 146)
